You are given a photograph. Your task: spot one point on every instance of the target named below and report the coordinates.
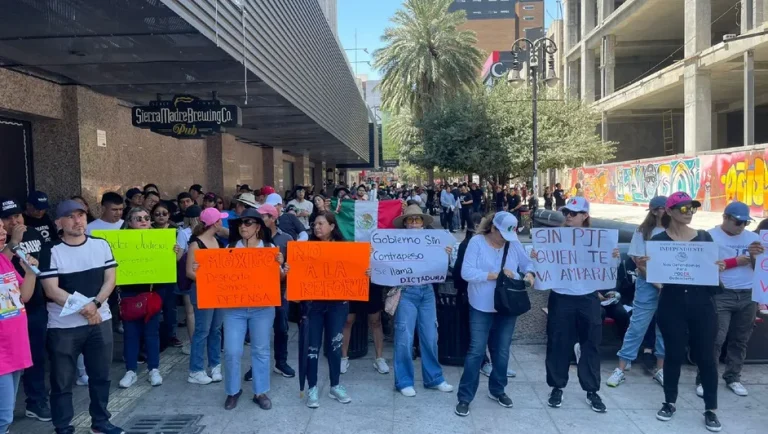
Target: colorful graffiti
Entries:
(715, 180)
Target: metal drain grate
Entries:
(175, 424)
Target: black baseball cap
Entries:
(196, 187)
(39, 200)
(9, 207)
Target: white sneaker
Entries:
(216, 374)
(380, 365)
(128, 380)
(186, 349)
(199, 377)
(699, 390)
(577, 351)
(344, 364)
(155, 379)
(82, 380)
(486, 369)
(738, 388)
(659, 377)
(616, 378)
(408, 391)
(444, 387)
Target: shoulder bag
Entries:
(142, 306)
(510, 297)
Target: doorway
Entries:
(17, 176)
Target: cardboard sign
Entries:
(244, 277)
(142, 255)
(409, 256)
(328, 270)
(578, 258)
(683, 263)
(760, 279)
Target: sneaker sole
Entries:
(33, 415)
(714, 429)
(197, 382)
(313, 405)
(500, 403)
(461, 414)
(277, 371)
(380, 371)
(126, 387)
(331, 395)
(663, 418)
(596, 410)
(615, 385)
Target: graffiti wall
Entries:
(714, 179)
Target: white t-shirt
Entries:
(739, 278)
(99, 225)
(637, 245)
(304, 205)
(182, 238)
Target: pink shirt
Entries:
(15, 354)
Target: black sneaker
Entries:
(39, 412)
(594, 401)
(106, 428)
(666, 412)
(68, 430)
(711, 421)
(462, 409)
(502, 399)
(555, 398)
(284, 370)
(248, 375)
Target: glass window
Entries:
(528, 18)
(528, 7)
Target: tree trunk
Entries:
(431, 175)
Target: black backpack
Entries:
(459, 283)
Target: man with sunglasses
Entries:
(735, 309)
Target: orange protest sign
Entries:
(237, 278)
(328, 270)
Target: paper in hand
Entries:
(74, 304)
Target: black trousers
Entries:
(280, 327)
(64, 346)
(689, 316)
(571, 318)
(466, 220)
(34, 376)
(447, 218)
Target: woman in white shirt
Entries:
(481, 267)
(646, 298)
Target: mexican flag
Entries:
(358, 218)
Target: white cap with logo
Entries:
(506, 223)
(577, 204)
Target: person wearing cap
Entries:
(79, 263)
(208, 322)
(687, 316)
(495, 238)
(303, 206)
(646, 299)
(196, 193)
(112, 206)
(341, 192)
(15, 357)
(245, 201)
(36, 216)
(134, 197)
(251, 232)
(417, 306)
(245, 188)
(574, 312)
(735, 309)
(288, 221)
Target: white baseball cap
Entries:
(273, 199)
(506, 223)
(577, 204)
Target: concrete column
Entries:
(607, 65)
(567, 41)
(698, 26)
(587, 74)
(572, 79)
(698, 110)
(749, 98)
(746, 16)
(604, 127)
(273, 168)
(587, 16)
(319, 179)
(214, 167)
(301, 173)
(604, 9)
(759, 14)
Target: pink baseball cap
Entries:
(681, 198)
(269, 209)
(211, 215)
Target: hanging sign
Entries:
(186, 117)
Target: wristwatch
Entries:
(97, 303)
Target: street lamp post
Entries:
(537, 50)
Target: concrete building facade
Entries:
(498, 23)
(331, 14)
(670, 76)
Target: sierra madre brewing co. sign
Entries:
(186, 117)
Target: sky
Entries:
(369, 18)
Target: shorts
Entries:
(374, 304)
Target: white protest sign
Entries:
(760, 280)
(409, 256)
(683, 263)
(577, 258)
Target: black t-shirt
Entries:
(291, 225)
(456, 193)
(466, 198)
(559, 197)
(477, 195)
(32, 243)
(44, 227)
(548, 199)
(513, 201)
(500, 200)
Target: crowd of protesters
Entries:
(664, 320)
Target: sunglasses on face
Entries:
(249, 223)
(140, 218)
(687, 209)
(569, 213)
(739, 222)
(161, 214)
(414, 220)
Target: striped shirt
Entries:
(80, 269)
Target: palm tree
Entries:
(426, 58)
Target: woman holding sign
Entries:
(494, 249)
(687, 315)
(251, 233)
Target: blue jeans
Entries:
(494, 331)
(9, 386)
(643, 310)
(331, 316)
(258, 323)
(417, 306)
(207, 331)
(134, 331)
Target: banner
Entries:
(683, 263)
(409, 256)
(760, 280)
(578, 258)
(328, 270)
(142, 255)
(244, 277)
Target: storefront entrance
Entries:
(16, 176)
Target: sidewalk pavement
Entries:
(184, 408)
